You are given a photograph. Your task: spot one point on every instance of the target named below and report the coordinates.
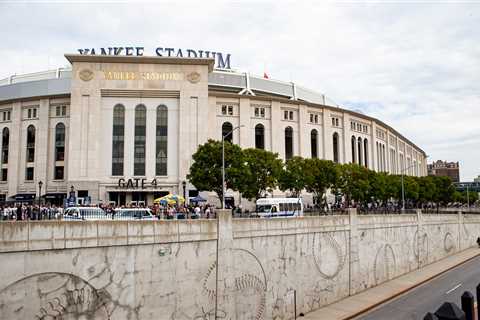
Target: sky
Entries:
(413, 64)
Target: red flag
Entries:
(265, 75)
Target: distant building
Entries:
(444, 169)
(477, 179)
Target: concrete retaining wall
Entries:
(238, 269)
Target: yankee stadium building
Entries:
(122, 127)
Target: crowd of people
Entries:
(30, 212)
(51, 212)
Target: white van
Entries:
(85, 213)
(133, 214)
(279, 207)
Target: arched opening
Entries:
(5, 145)
(59, 151)
(118, 140)
(365, 152)
(30, 143)
(29, 170)
(161, 141)
(354, 152)
(288, 143)
(227, 134)
(259, 136)
(360, 153)
(314, 143)
(335, 147)
(140, 140)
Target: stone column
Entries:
(354, 260)
(224, 295)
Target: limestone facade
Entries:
(197, 111)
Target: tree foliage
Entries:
(293, 177)
(254, 172)
(206, 170)
(263, 168)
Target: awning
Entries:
(55, 195)
(197, 199)
(24, 197)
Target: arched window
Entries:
(354, 140)
(259, 136)
(288, 143)
(60, 142)
(140, 134)
(360, 154)
(384, 158)
(30, 143)
(29, 170)
(365, 152)
(118, 138)
(335, 147)
(162, 141)
(227, 134)
(314, 143)
(5, 144)
(59, 150)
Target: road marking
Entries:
(454, 288)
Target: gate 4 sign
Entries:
(136, 183)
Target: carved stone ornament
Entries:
(193, 77)
(85, 74)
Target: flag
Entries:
(265, 75)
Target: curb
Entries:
(358, 313)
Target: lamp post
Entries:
(223, 162)
(184, 185)
(40, 184)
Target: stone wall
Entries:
(179, 270)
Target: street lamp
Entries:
(184, 185)
(40, 184)
(223, 162)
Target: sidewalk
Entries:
(353, 306)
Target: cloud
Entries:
(414, 66)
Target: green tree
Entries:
(378, 184)
(320, 175)
(427, 189)
(293, 176)
(444, 190)
(354, 182)
(263, 169)
(411, 188)
(206, 170)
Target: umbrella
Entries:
(169, 199)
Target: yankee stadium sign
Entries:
(222, 60)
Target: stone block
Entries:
(44, 235)
(112, 233)
(80, 234)
(166, 231)
(14, 236)
(141, 232)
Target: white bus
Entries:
(279, 207)
(133, 214)
(85, 213)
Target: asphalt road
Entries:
(430, 296)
